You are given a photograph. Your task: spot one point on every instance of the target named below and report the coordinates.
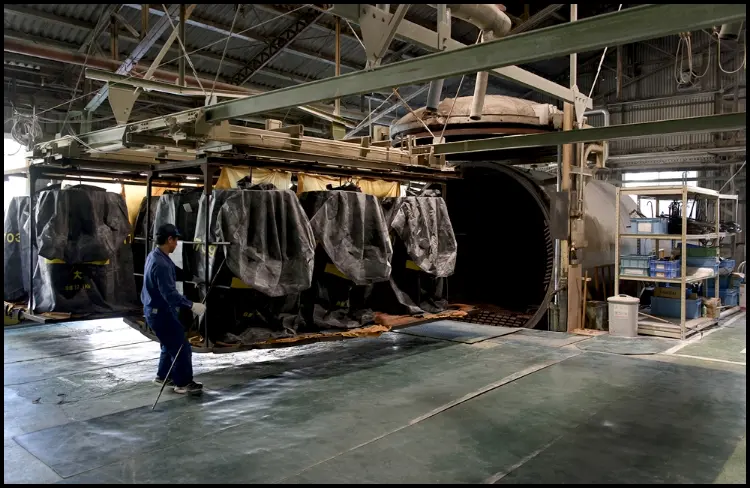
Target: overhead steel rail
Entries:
(430, 40)
(627, 26)
(708, 123)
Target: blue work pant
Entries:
(171, 336)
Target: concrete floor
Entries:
(442, 403)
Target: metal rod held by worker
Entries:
(166, 380)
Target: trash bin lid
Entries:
(625, 299)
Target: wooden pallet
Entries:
(671, 328)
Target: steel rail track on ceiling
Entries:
(630, 25)
(707, 123)
(626, 26)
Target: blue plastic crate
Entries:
(656, 225)
(635, 261)
(704, 263)
(664, 269)
(696, 262)
(670, 307)
(730, 297)
(633, 271)
(727, 264)
(725, 282)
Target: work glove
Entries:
(198, 308)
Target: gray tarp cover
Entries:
(86, 288)
(422, 233)
(181, 210)
(16, 250)
(425, 228)
(272, 243)
(81, 224)
(218, 197)
(352, 229)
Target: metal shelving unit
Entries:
(665, 327)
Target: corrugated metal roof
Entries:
(309, 57)
(44, 28)
(85, 12)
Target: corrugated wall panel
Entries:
(656, 80)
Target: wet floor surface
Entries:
(435, 406)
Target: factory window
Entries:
(13, 158)
(660, 178)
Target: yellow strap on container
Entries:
(412, 265)
(238, 283)
(60, 261)
(332, 269)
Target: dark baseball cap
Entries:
(168, 230)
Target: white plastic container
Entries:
(623, 316)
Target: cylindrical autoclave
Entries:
(505, 253)
(500, 213)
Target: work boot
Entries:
(160, 381)
(191, 388)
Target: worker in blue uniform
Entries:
(161, 303)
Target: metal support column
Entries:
(573, 56)
(144, 19)
(208, 180)
(556, 259)
(113, 44)
(149, 189)
(85, 121)
(718, 241)
(181, 35)
(619, 73)
(32, 233)
(683, 264)
(618, 198)
(337, 102)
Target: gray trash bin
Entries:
(623, 316)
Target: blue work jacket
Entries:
(159, 291)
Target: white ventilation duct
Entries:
(494, 24)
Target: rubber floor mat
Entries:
(592, 419)
(281, 419)
(726, 344)
(450, 330)
(543, 338)
(627, 345)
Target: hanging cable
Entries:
(178, 57)
(685, 50)
(25, 130)
(355, 35)
(601, 62)
(450, 112)
(182, 46)
(97, 31)
(735, 174)
(229, 36)
(412, 112)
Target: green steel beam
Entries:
(630, 25)
(708, 123)
(427, 39)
